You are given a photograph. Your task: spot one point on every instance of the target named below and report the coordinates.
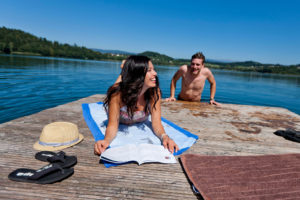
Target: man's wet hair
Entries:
(198, 55)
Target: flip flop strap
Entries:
(59, 157)
(46, 170)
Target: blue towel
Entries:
(139, 133)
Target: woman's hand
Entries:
(100, 146)
(171, 99)
(169, 144)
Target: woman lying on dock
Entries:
(132, 99)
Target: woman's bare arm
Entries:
(113, 124)
(159, 129)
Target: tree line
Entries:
(13, 41)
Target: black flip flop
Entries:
(60, 158)
(289, 134)
(48, 174)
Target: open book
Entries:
(141, 153)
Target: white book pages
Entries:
(141, 153)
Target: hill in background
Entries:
(115, 52)
(13, 41)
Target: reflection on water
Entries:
(31, 84)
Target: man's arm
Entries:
(119, 79)
(213, 84)
(175, 78)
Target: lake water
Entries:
(31, 84)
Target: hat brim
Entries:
(40, 147)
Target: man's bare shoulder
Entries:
(183, 68)
(206, 71)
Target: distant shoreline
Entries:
(283, 70)
(13, 41)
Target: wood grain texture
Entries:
(226, 130)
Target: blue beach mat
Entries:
(139, 133)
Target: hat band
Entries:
(58, 144)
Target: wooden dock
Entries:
(226, 130)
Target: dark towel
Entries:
(244, 177)
(289, 134)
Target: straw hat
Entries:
(57, 136)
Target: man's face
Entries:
(196, 66)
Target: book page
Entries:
(141, 153)
(154, 153)
(120, 154)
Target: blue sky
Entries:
(266, 31)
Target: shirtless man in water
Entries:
(193, 80)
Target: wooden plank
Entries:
(226, 130)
